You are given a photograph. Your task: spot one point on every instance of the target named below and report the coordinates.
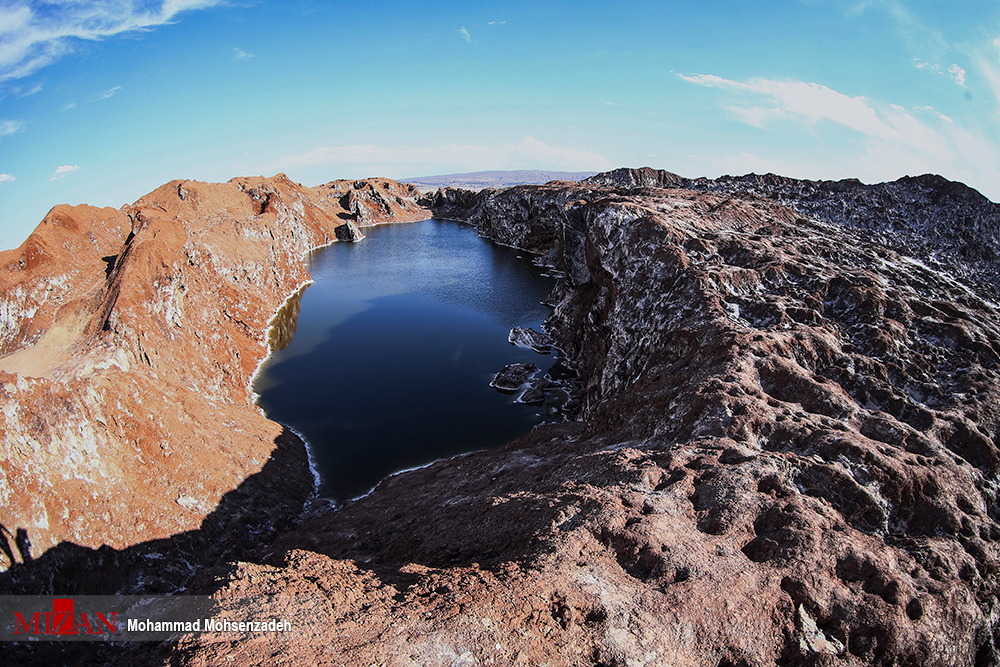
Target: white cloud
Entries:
(889, 141)
(8, 127)
(62, 171)
(107, 93)
(408, 161)
(33, 35)
(958, 73)
(465, 33)
(239, 54)
(6, 178)
(813, 103)
(496, 23)
(21, 92)
(987, 60)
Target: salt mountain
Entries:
(786, 450)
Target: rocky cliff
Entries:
(129, 340)
(786, 451)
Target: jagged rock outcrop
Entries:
(945, 224)
(348, 232)
(787, 455)
(643, 177)
(512, 376)
(129, 340)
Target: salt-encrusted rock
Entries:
(512, 376)
(527, 337)
(129, 340)
(534, 392)
(809, 482)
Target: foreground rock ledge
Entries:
(786, 455)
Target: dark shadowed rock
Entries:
(644, 177)
(348, 232)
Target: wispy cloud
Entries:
(33, 35)
(920, 37)
(6, 178)
(240, 54)
(107, 93)
(8, 127)
(812, 102)
(68, 106)
(464, 33)
(22, 91)
(496, 23)
(958, 74)
(531, 153)
(891, 140)
(63, 171)
(988, 62)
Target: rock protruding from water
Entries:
(348, 232)
(513, 376)
(534, 392)
(527, 337)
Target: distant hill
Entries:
(477, 180)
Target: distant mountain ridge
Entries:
(478, 180)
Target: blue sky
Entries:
(101, 102)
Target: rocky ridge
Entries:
(945, 224)
(129, 340)
(786, 454)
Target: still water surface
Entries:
(396, 343)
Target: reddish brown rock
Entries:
(130, 340)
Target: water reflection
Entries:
(395, 345)
(285, 322)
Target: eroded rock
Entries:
(527, 337)
(784, 456)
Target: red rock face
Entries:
(130, 340)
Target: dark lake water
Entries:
(395, 346)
